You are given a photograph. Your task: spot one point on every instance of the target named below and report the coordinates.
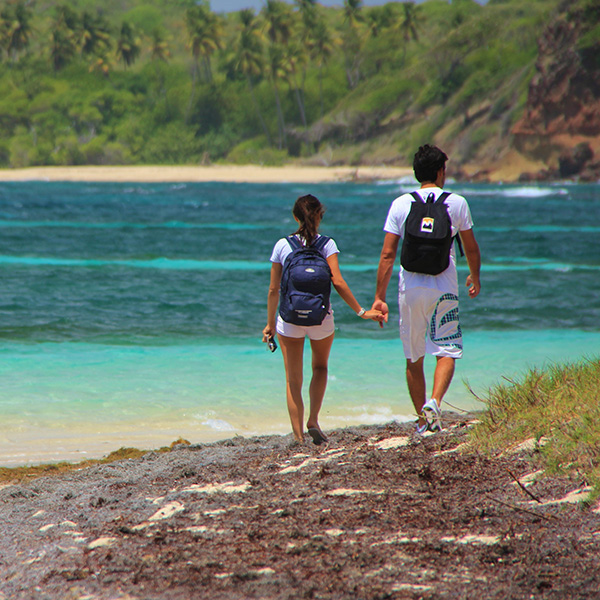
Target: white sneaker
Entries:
(433, 415)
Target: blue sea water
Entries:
(131, 314)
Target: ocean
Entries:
(131, 314)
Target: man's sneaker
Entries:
(433, 415)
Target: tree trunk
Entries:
(257, 109)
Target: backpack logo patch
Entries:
(427, 225)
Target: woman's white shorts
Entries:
(313, 332)
(429, 324)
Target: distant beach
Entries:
(221, 173)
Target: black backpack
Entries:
(427, 236)
(305, 283)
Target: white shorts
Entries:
(313, 332)
(429, 324)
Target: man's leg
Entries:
(415, 378)
(444, 371)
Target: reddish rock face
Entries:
(561, 124)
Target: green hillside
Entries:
(172, 82)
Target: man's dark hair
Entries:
(427, 162)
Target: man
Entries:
(428, 303)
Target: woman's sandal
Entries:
(317, 436)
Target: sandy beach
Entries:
(222, 173)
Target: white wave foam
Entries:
(219, 425)
(520, 192)
(406, 180)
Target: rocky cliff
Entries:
(561, 124)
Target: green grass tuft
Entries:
(559, 408)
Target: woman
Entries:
(308, 212)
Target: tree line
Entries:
(213, 80)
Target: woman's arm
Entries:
(342, 288)
(272, 301)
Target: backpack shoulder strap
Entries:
(417, 196)
(320, 242)
(459, 244)
(294, 242)
(442, 197)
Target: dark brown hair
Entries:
(427, 162)
(309, 211)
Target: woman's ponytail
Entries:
(309, 212)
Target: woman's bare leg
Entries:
(293, 350)
(318, 383)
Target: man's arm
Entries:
(471, 248)
(384, 272)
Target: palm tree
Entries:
(160, 52)
(62, 47)
(128, 45)
(248, 58)
(279, 24)
(4, 29)
(352, 40)
(352, 13)
(278, 21)
(382, 34)
(308, 23)
(410, 25)
(380, 18)
(205, 32)
(66, 17)
(308, 12)
(296, 58)
(324, 44)
(159, 49)
(277, 70)
(64, 37)
(19, 28)
(94, 34)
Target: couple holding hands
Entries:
(427, 222)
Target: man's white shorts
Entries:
(314, 332)
(429, 324)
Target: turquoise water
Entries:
(131, 314)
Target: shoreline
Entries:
(205, 174)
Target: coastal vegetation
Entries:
(177, 82)
(556, 411)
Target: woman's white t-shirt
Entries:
(283, 249)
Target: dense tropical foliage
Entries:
(173, 81)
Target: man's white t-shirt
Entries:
(460, 215)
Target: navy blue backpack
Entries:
(305, 283)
